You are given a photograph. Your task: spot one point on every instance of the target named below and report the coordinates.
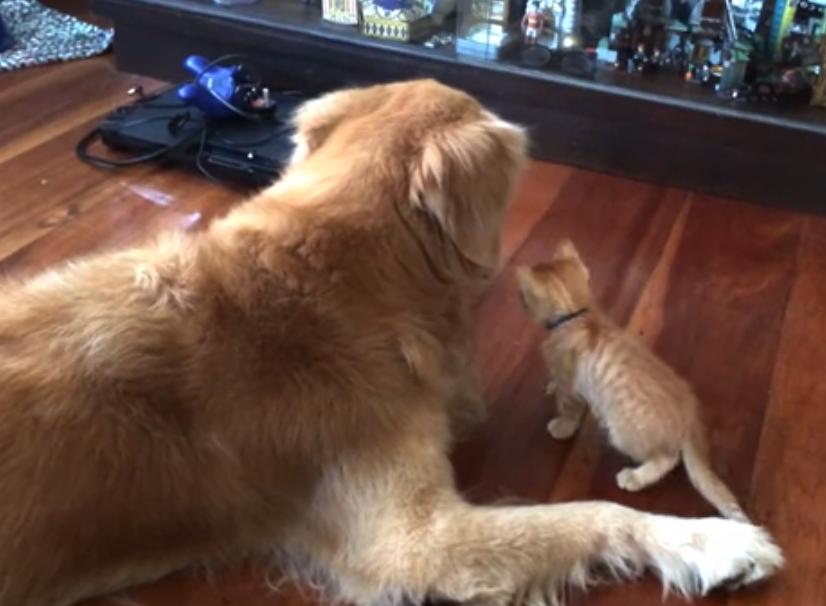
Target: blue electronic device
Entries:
(212, 89)
(224, 92)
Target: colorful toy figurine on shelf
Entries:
(533, 22)
(704, 44)
(638, 36)
(649, 32)
(550, 37)
(718, 56)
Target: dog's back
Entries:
(90, 411)
(175, 402)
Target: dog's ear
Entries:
(463, 176)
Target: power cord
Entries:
(82, 147)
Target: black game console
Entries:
(250, 152)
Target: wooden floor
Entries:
(733, 295)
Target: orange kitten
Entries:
(651, 414)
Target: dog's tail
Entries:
(708, 483)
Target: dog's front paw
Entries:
(759, 557)
(713, 552)
(562, 429)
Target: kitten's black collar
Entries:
(552, 324)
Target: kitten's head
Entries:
(553, 289)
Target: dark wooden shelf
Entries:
(651, 127)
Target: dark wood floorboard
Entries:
(788, 488)
(733, 295)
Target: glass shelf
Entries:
(578, 48)
(643, 121)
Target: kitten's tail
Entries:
(707, 483)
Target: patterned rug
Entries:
(42, 35)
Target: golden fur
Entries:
(289, 381)
(650, 413)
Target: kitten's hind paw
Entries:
(562, 429)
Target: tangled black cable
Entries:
(175, 123)
(82, 147)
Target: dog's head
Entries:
(444, 154)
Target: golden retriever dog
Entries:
(287, 384)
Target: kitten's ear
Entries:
(565, 250)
